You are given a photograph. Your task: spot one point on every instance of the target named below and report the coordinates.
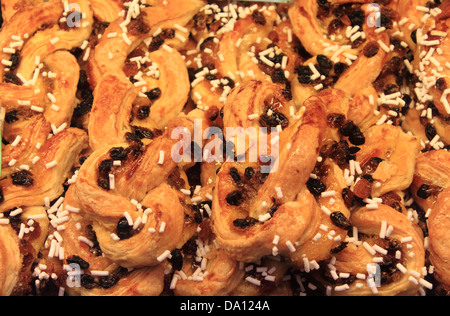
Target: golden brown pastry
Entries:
(31, 184)
(24, 232)
(245, 193)
(10, 260)
(431, 177)
(396, 153)
(125, 171)
(438, 237)
(209, 272)
(39, 75)
(428, 117)
(257, 46)
(106, 192)
(395, 252)
(78, 266)
(56, 99)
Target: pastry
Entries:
(219, 148)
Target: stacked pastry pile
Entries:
(350, 195)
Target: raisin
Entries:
(287, 92)
(353, 132)
(335, 120)
(363, 188)
(347, 129)
(392, 88)
(340, 153)
(274, 207)
(143, 112)
(203, 208)
(82, 160)
(358, 42)
(340, 220)
(84, 107)
(386, 19)
(168, 33)
(274, 120)
(105, 166)
(107, 282)
(12, 78)
(357, 138)
(249, 173)
(340, 68)
(206, 41)
(83, 83)
(156, 43)
(142, 132)
(197, 214)
(304, 74)
(393, 66)
(235, 198)
(276, 59)
(2, 197)
(322, 70)
(103, 183)
(441, 85)
(303, 71)
(79, 261)
(371, 49)
(371, 166)
(118, 153)
(138, 26)
(11, 117)
(15, 59)
(176, 259)
(201, 21)
(88, 281)
(304, 79)
(425, 191)
(324, 62)
(348, 197)
(213, 113)
(124, 230)
(245, 222)
(153, 94)
(133, 138)
(414, 36)
(92, 235)
(335, 26)
(357, 17)
(22, 178)
(258, 17)
(315, 186)
(433, 108)
(368, 177)
(430, 131)
(234, 173)
(407, 98)
(278, 76)
(230, 83)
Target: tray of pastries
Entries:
(225, 148)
